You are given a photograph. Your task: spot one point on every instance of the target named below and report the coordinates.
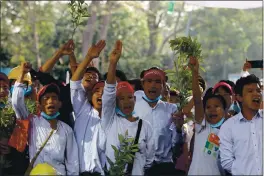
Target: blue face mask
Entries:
(218, 124)
(151, 101)
(118, 111)
(27, 91)
(46, 116)
(235, 107)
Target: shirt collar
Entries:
(259, 114)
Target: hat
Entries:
(124, 86)
(48, 89)
(15, 72)
(220, 84)
(43, 169)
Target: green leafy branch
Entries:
(180, 76)
(78, 10)
(7, 119)
(123, 155)
(31, 106)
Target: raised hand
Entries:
(95, 50)
(178, 119)
(116, 53)
(25, 67)
(193, 64)
(246, 66)
(67, 48)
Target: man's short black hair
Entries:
(120, 74)
(94, 69)
(209, 94)
(137, 84)
(241, 82)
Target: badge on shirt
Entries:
(212, 145)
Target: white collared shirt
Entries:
(204, 161)
(160, 119)
(241, 145)
(88, 131)
(115, 124)
(61, 150)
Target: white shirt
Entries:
(61, 150)
(204, 161)
(160, 119)
(114, 125)
(241, 145)
(88, 131)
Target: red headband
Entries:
(44, 88)
(220, 84)
(98, 85)
(154, 73)
(124, 86)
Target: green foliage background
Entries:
(227, 36)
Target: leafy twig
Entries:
(123, 155)
(78, 10)
(180, 76)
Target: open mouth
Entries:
(127, 109)
(256, 100)
(51, 107)
(99, 100)
(213, 116)
(152, 92)
(87, 80)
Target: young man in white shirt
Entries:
(61, 150)
(158, 113)
(241, 144)
(88, 131)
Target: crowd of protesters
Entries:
(77, 124)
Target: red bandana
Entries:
(98, 85)
(124, 86)
(154, 73)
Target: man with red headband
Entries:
(118, 117)
(87, 128)
(158, 113)
(46, 131)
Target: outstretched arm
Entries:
(66, 49)
(18, 99)
(93, 52)
(197, 95)
(78, 94)
(109, 96)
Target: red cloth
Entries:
(98, 85)
(44, 88)
(220, 84)
(124, 86)
(154, 73)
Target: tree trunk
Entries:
(103, 33)
(90, 28)
(153, 27)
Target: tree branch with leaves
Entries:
(78, 10)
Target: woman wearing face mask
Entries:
(209, 116)
(117, 118)
(224, 89)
